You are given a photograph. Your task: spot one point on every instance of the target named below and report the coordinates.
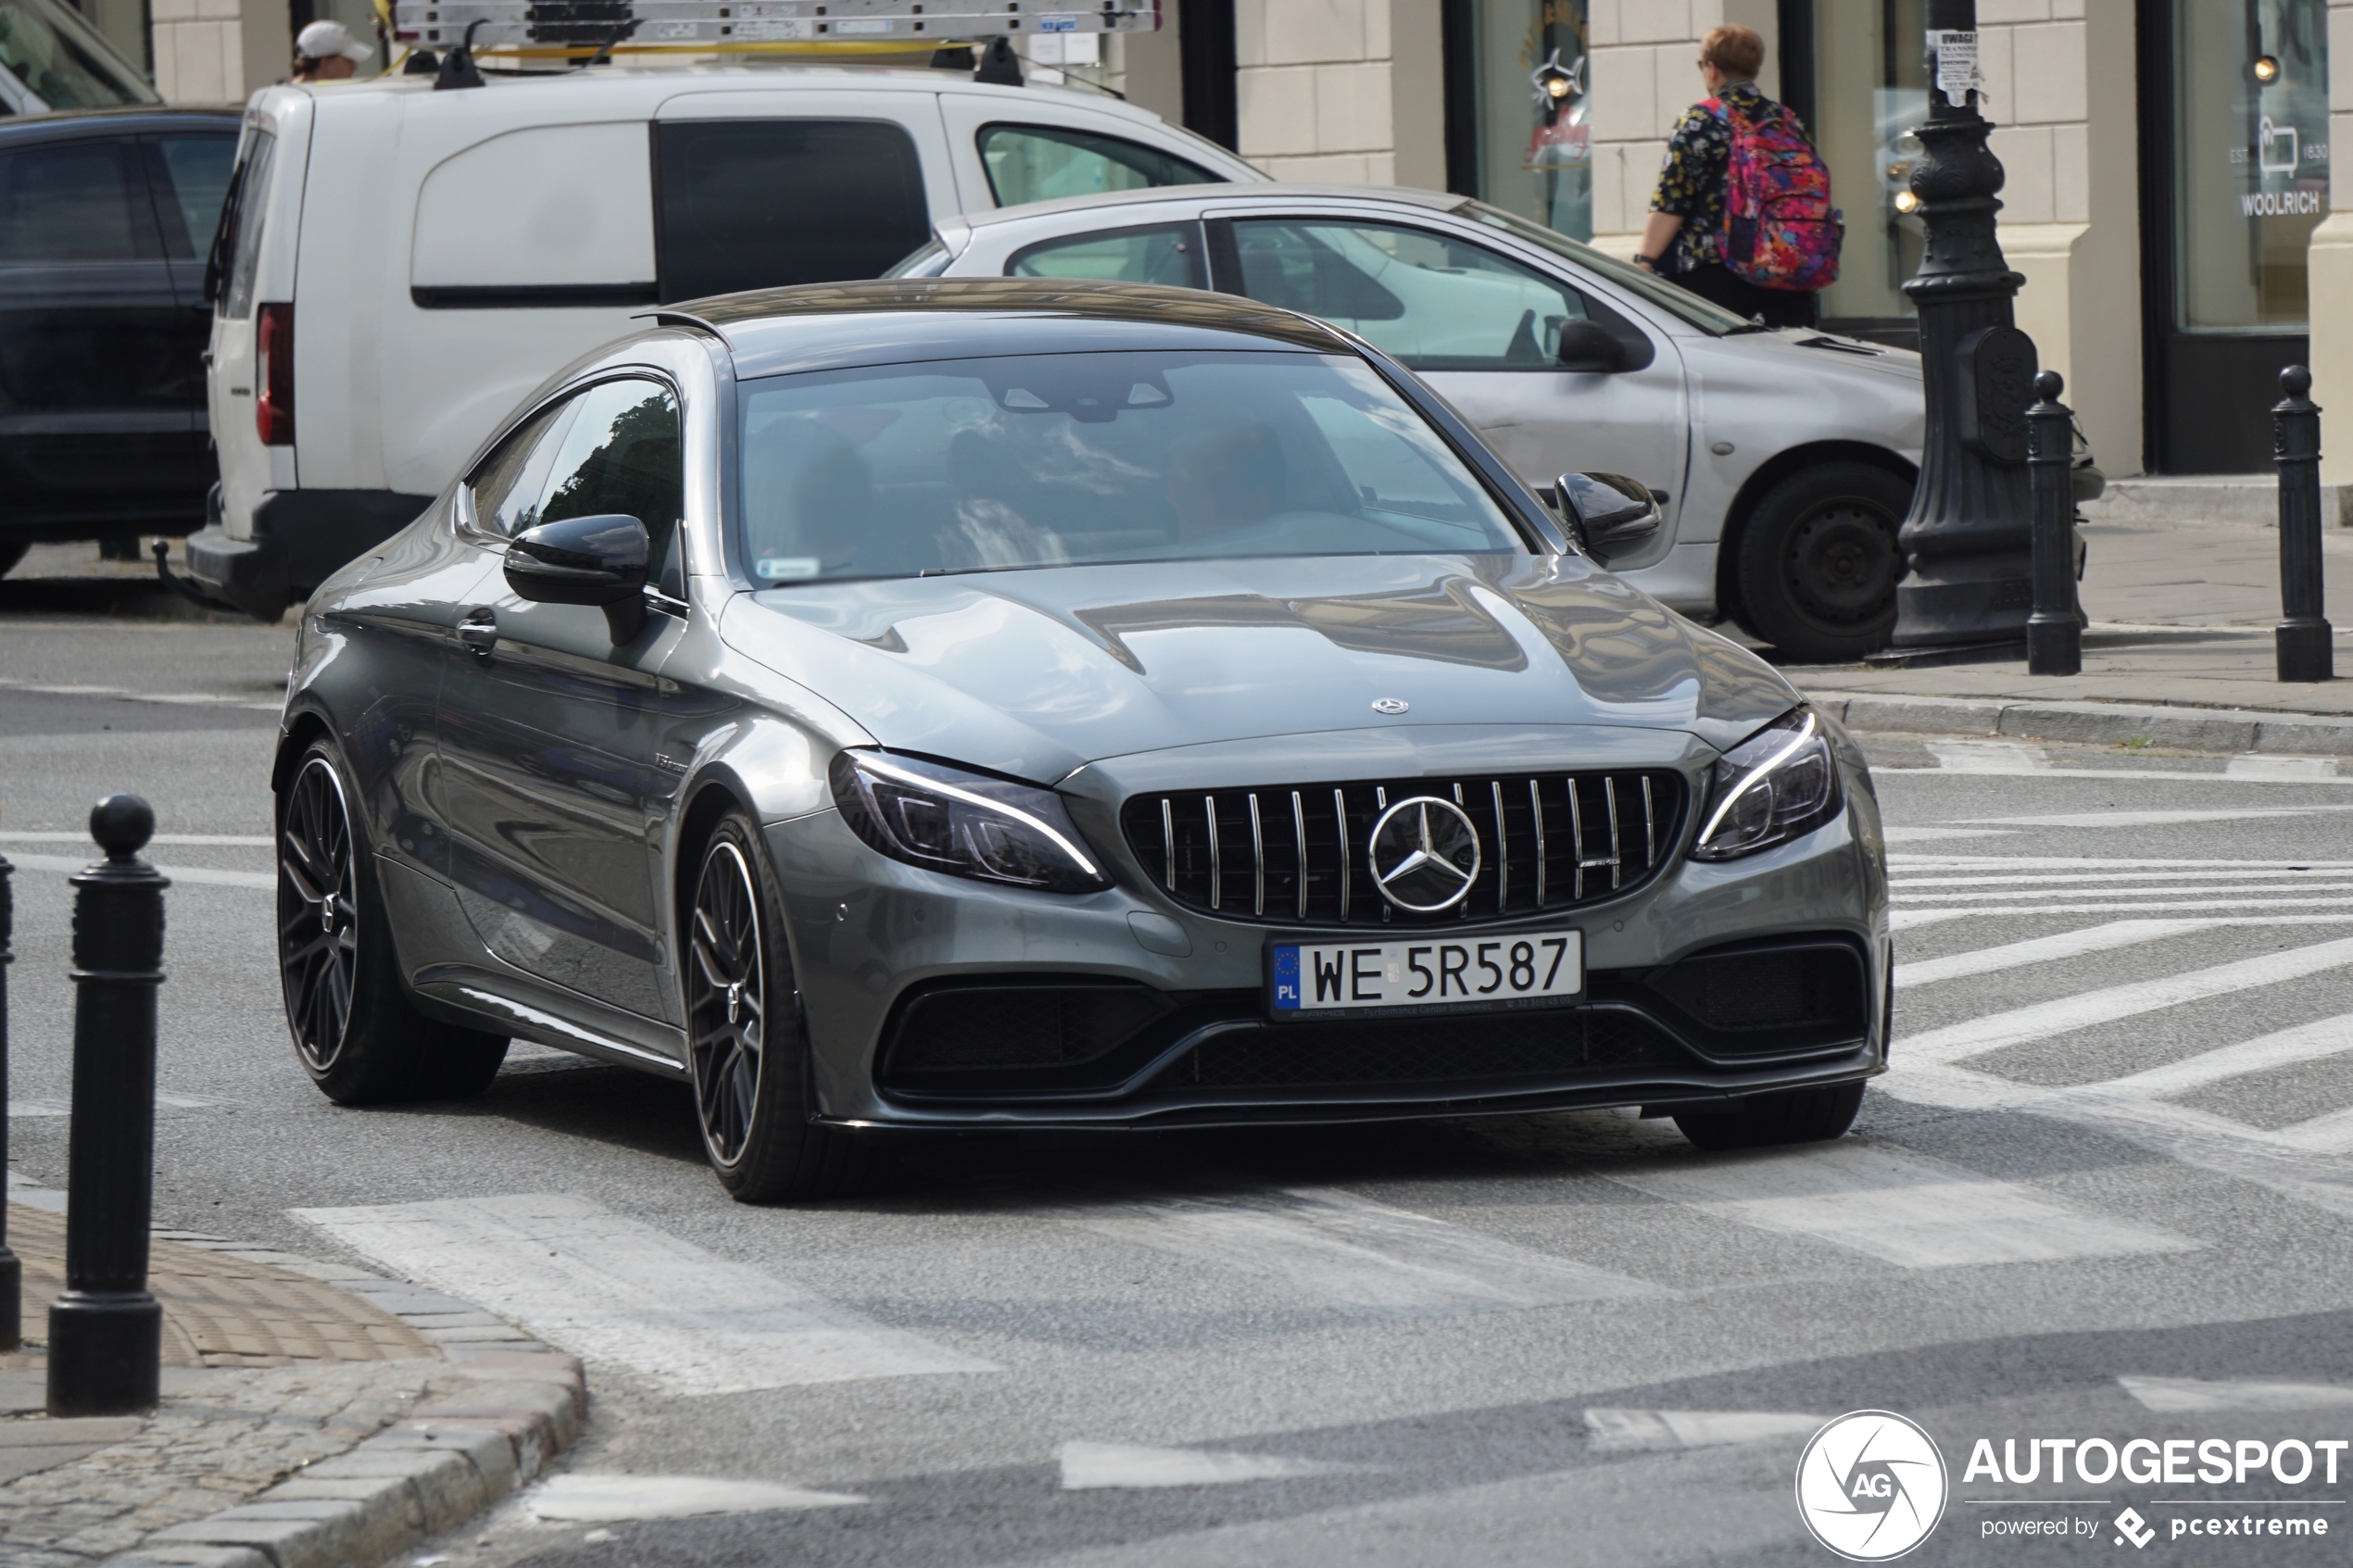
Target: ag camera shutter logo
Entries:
(1871, 1486)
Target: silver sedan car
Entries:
(1017, 704)
(1783, 461)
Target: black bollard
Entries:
(2307, 651)
(2053, 633)
(11, 1272)
(106, 1332)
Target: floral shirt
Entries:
(1690, 179)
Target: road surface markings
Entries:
(2018, 760)
(217, 840)
(2124, 818)
(2306, 1042)
(2007, 757)
(2174, 1395)
(614, 1289)
(180, 699)
(163, 1096)
(2296, 769)
(1088, 1467)
(2043, 949)
(1902, 1209)
(200, 875)
(2042, 1020)
(2136, 896)
(1922, 835)
(575, 1498)
(1616, 1430)
(1339, 1251)
(2110, 882)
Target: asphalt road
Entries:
(2104, 1195)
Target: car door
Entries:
(96, 382)
(551, 782)
(188, 174)
(1482, 329)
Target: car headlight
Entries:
(1778, 783)
(944, 819)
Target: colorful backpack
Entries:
(1779, 229)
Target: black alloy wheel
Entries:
(727, 1002)
(746, 1046)
(1818, 562)
(1768, 1120)
(355, 1030)
(318, 914)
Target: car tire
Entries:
(1818, 562)
(355, 1031)
(11, 552)
(1787, 1117)
(748, 1043)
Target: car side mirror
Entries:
(1588, 345)
(584, 560)
(1610, 516)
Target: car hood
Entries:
(1035, 673)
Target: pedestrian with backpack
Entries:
(1742, 215)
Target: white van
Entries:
(399, 264)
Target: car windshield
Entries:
(1705, 315)
(1064, 460)
(62, 58)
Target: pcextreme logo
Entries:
(1871, 1486)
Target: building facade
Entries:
(2167, 161)
(2167, 195)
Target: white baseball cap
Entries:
(320, 40)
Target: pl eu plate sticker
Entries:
(1287, 978)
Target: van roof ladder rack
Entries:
(584, 28)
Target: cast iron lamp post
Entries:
(1968, 537)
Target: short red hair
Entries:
(1738, 52)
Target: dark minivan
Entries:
(105, 218)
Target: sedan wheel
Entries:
(745, 1047)
(318, 914)
(1818, 562)
(355, 1030)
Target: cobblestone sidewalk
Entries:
(276, 1369)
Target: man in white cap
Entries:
(326, 51)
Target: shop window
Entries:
(2250, 160)
(1872, 94)
(1524, 132)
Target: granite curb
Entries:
(445, 1464)
(441, 1466)
(2218, 730)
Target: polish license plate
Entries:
(1427, 974)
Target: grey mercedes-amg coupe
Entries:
(1033, 704)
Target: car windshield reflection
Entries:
(1066, 459)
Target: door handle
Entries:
(479, 632)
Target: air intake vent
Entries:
(1297, 854)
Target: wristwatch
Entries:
(1648, 263)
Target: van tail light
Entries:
(273, 409)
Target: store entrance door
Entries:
(2234, 98)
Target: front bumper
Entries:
(935, 1001)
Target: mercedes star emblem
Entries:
(1424, 854)
(1392, 705)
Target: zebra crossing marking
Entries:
(2306, 1042)
(1088, 1467)
(2042, 1020)
(1616, 1431)
(2043, 949)
(581, 1499)
(2178, 1395)
(615, 1289)
(1902, 1209)
(1339, 1251)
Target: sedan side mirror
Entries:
(584, 560)
(1610, 516)
(1586, 344)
